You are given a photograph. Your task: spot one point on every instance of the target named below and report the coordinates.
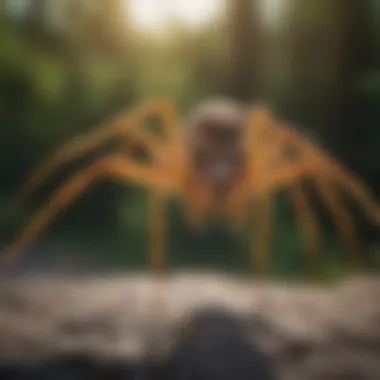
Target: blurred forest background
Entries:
(67, 65)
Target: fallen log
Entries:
(307, 332)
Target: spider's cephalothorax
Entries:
(214, 138)
(226, 153)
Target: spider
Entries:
(221, 158)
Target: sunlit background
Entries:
(155, 15)
(67, 65)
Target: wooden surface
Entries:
(329, 332)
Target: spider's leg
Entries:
(261, 229)
(156, 230)
(171, 121)
(198, 203)
(358, 191)
(236, 203)
(118, 167)
(273, 169)
(309, 225)
(237, 212)
(356, 188)
(322, 161)
(311, 162)
(259, 123)
(341, 219)
(126, 122)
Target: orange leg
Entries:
(156, 232)
(342, 220)
(308, 162)
(326, 164)
(309, 226)
(198, 203)
(360, 192)
(258, 126)
(261, 229)
(236, 202)
(125, 123)
(118, 167)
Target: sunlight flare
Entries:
(156, 14)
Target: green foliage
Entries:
(316, 66)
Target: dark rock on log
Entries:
(215, 346)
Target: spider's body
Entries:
(215, 143)
(221, 157)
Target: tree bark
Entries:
(245, 50)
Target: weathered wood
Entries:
(310, 332)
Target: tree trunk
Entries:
(328, 51)
(245, 50)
